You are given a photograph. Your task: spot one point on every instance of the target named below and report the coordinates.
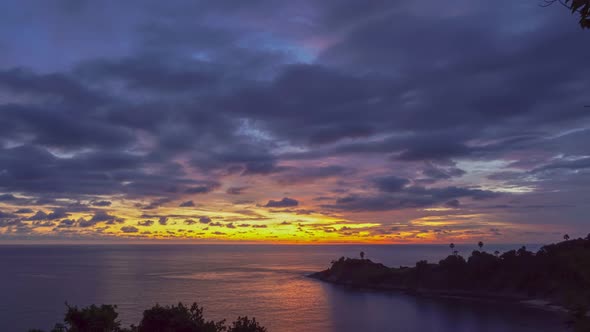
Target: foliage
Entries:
(579, 311)
(92, 319)
(480, 245)
(173, 318)
(177, 318)
(580, 7)
(583, 8)
(557, 272)
(243, 324)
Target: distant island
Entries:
(557, 276)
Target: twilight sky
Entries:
(297, 121)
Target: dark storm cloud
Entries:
(86, 223)
(572, 165)
(7, 215)
(147, 94)
(187, 204)
(154, 204)
(308, 115)
(308, 174)
(163, 221)
(129, 229)
(7, 197)
(103, 216)
(76, 130)
(55, 86)
(391, 183)
(149, 73)
(66, 223)
(9, 222)
(189, 222)
(441, 173)
(35, 170)
(285, 202)
(478, 57)
(76, 207)
(101, 203)
(236, 190)
(204, 189)
(240, 156)
(39, 223)
(146, 223)
(40, 215)
(56, 214)
(453, 203)
(409, 197)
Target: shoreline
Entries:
(531, 302)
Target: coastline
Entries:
(531, 302)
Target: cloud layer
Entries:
(309, 121)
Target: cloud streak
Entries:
(338, 115)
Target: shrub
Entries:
(173, 318)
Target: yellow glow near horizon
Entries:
(250, 222)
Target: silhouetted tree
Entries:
(453, 262)
(243, 324)
(421, 268)
(452, 246)
(578, 309)
(480, 245)
(175, 318)
(580, 7)
(522, 252)
(362, 255)
(553, 272)
(92, 319)
(566, 237)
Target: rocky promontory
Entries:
(558, 274)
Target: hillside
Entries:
(559, 273)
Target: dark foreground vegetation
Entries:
(557, 273)
(581, 8)
(175, 318)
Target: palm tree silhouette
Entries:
(480, 245)
(566, 237)
(452, 246)
(362, 255)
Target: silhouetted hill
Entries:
(558, 272)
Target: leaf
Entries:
(577, 4)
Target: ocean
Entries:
(265, 281)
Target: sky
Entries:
(337, 121)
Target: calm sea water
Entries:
(264, 281)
